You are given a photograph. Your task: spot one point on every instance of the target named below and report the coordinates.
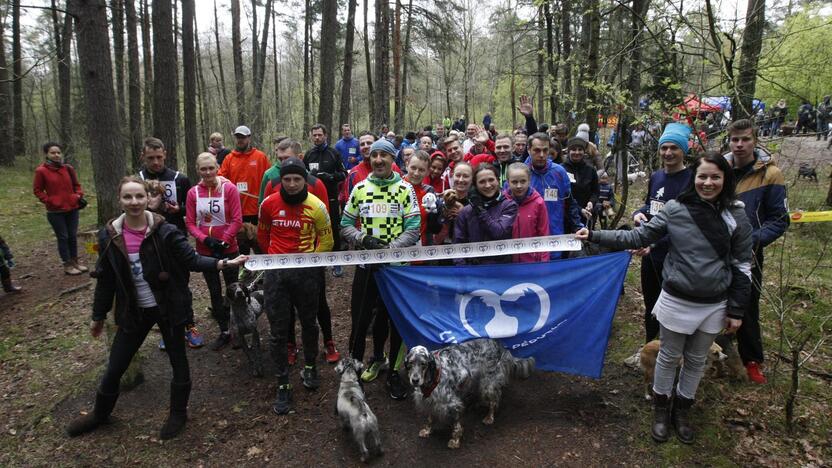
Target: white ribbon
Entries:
(561, 243)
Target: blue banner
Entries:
(558, 312)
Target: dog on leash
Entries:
(650, 352)
(447, 380)
(807, 172)
(246, 307)
(353, 411)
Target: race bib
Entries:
(210, 211)
(380, 210)
(656, 207)
(571, 177)
(242, 186)
(170, 190)
(313, 166)
(352, 150)
(550, 194)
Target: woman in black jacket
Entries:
(144, 264)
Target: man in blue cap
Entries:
(664, 185)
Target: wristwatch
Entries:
(224, 262)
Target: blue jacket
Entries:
(552, 183)
(343, 147)
(762, 187)
(662, 188)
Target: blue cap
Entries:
(676, 133)
(384, 146)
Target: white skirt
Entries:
(686, 317)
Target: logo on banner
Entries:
(502, 324)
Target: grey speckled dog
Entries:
(246, 307)
(353, 411)
(446, 380)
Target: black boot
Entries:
(681, 408)
(100, 414)
(179, 393)
(661, 417)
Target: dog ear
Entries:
(340, 367)
(431, 366)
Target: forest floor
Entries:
(49, 368)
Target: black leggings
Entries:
(365, 298)
(125, 345)
(284, 289)
(651, 287)
(219, 310)
(324, 314)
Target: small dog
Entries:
(650, 352)
(246, 307)
(353, 411)
(445, 380)
(807, 172)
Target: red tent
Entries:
(694, 106)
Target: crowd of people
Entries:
(701, 251)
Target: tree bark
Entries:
(552, 75)
(371, 97)
(189, 86)
(147, 61)
(62, 29)
(397, 68)
(399, 117)
(346, 79)
(97, 79)
(277, 107)
(329, 34)
(219, 58)
(237, 53)
(165, 84)
(382, 49)
(201, 92)
(639, 13)
(307, 72)
(260, 74)
(567, 94)
(134, 87)
(117, 13)
(6, 119)
(592, 67)
(752, 43)
(541, 59)
(19, 134)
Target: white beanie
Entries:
(583, 132)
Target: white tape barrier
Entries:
(559, 243)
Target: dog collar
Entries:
(426, 391)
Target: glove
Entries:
(216, 245)
(477, 202)
(324, 176)
(372, 243)
(429, 202)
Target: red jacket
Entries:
(57, 187)
(246, 170)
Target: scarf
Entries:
(293, 199)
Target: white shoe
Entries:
(634, 361)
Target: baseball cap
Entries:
(242, 130)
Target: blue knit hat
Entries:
(676, 133)
(384, 146)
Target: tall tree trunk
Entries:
(382, 49)
(566, 38)
(237, 53)
(19, 135)
(307, 72)
(397, 68)
(134, 87)
(165, 84)
(581, 60)
(6, 120)
(223, 92)
(329, 34)
(147, 61)
(592, 67)
(62, 29)
(752, 42)
(260, 76)
(278, 110)
(399, 117)
(201, 93)
(512, 69)
(541, 59)
(371, 97)
(189, 86)
(117, 12)
(346, 78)
(552, 75)
(638, 13)
(97, 79)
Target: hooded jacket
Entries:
(55, 187)
(692, 269)
(167, 260)
(552, 182)
(495, 223)
(325, 163)
(762, 188)
(246, 171)
(585, 185)
(233, 216)
(532, 221)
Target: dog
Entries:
(246, 307)
(353, 411)
(807, 172)
(447, 380)
(650, 352)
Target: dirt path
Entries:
(50, 367)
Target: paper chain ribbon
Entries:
(559, 243)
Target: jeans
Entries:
(366, 298)
(694, 348)
(282, 290)
(125, 345)
(219, 310)
(65, 225)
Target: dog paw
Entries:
(648, 396)
(453, 444)
(424, 433)
(489, 420)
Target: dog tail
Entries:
(521, 368)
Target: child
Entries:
(532, 218)
(607, 198)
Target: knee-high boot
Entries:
(661, 417)
(179, 393)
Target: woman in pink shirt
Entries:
(213, 217)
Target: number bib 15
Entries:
(210, 211)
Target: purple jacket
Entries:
(494, 224)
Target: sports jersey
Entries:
(246, 171)
(662, 188)
(294, 228)
(384, 207)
